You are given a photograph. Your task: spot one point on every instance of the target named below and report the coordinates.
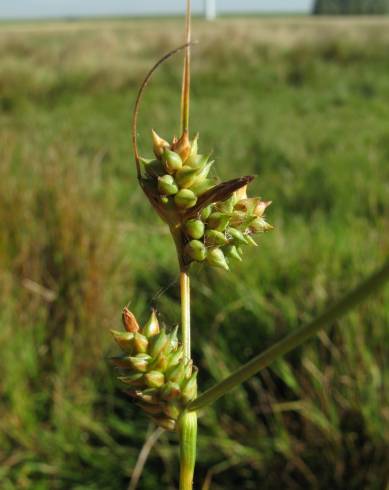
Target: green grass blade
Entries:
(371, 285)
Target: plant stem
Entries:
(185, 95)
(188, 421)
(188, 440)
(371, 285)
(185, 312)
(187, 425)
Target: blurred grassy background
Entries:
(301, 103)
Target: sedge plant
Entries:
(211, 223)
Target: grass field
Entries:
(301, 103)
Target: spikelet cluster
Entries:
(152, 366)
(215, 221)
(177, 174)
(223, 228)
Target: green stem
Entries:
(352, 299)
(185, 312)
(188, 437)
(187, 426)
(188, 421)
(185, 95)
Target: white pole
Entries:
(210, 9)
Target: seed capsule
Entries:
(237, 235)
(194, 228)
(172, 161)
(240, 194)
(129, 321)
(124, 340)
(206, 212)
(240, 218)
(218, 221)
(185, 199)
(173, 339)
(194, 146)
(196, 250)
(153, 168)
(132, 379)
(170, 391)
(199, 188)
(259, 225)
(172, 411)
(189, 392)
(232, 252)
(140, 343)
(214, 237)
(197, 161)
(215, 258)
(186, 177)
(182, 146)
(147, 396)
(177, 373)
(167, 185)
(160, 363)
(158, 343)
(226, 206)
(202, 174)
(152, 326)
(251, 240)
(175, 357)
(261, 207)
(154, 379)
(159, 144)
(139, 363)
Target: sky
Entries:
(61, 8)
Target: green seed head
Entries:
(189, 391)
(153, 168)
(171, 410)
(132, 379)
(172, 161)
(236, 235)
(196, 250)
(185, 199)
(139, 363)
(177, 373)
(154, 379)
(197, 161)
(214, 237)
(206, 212)
(186, 177)
(167, 185)
(140, 343)
(216, 258)
(259, 225)
(152, 326)
(159, 144)
(251, 241)
(158, 343)
(125, 340)
(194, 228)
(199, 188)
(218, 221)
(170, 391)
(232, 252)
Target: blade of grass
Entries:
(371, 285)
